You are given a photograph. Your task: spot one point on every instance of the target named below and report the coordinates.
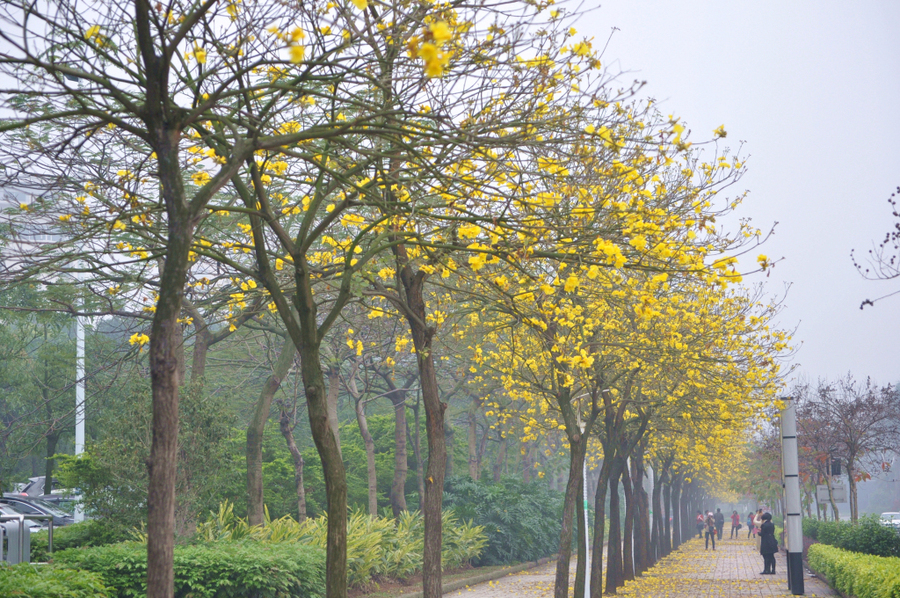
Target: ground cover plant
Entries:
(27, 581)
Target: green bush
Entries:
(867, 536)
(77, 535)
(30, 581)
(860, 575)
(522, 521)
(213, 570)
(377, 547)
(811, 528)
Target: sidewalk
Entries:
(731, 571)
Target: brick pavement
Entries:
(731, 571)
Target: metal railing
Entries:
(31, 517)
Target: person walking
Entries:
(710, 530)
(700, 523)
(735, 524)
(768, 544)
(720, 523)
(749, 524)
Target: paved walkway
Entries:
(731, 571)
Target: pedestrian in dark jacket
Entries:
(768, 545)
(720, 522)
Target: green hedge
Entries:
(77, 535)
(215, 570)
(855, 574)
(30, 581)
(867, 536)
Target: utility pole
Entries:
(793, 515)
(79, 395)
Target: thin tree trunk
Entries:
(501, 458)
(472, 438)
(334, 386)
(52, 441)
(614, 565)
(370, 456)
(667, 545)
(368, 441)
(398, 484)
(576, 460)
(256, 430)
(581, 564)
(657, 530)
(628, 530)
(287, 430)
(417, 453)
(449, 434)
(599, 528)
(677, 527)
(642, 555)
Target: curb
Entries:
(456, 585)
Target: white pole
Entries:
(793, 516)
(587, 543)
(79, 396)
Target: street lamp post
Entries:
(793, 514)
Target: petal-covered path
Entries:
(731, 571)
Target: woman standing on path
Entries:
(735, 524)
(768, 545)
(749, 524)
(710, 530)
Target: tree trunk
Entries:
(52, 441)
(472, 440)
(370, 456)
(628, 531)
(642, 555)
(334, 386)
(417, 453)
(614, 566)
(449, 434)
(165, 344)
(576, 460)
(501, 458)
(256, 429)
(398, 485)
(437, 456)
(656, 533)
(526, 464)
(599, 528)
(581, 565)
(201, 350)
(677, 529)
(287, 430)
(668, 545)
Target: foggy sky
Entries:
(813, 89)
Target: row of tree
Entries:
(329, 172)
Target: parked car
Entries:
(891, 519)
(31, 505)
(32, 526)
(35, 486)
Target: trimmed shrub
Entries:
(860, 575)
(77, 535)
(214, 570)
(28, 581)
(522, 521)
(867, 536)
